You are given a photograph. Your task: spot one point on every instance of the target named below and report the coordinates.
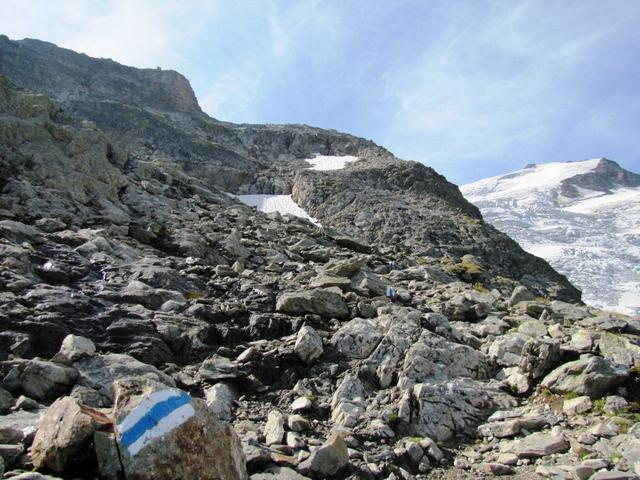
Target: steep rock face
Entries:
(583, 217)
(153, 120)
(408, 208)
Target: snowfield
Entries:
(328, 162)
(593, 238)
(282, 204)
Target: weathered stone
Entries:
(319, 301)
(496, 469)
(324, 281)
(10, 453)
(358, 338)
(591, 376)
(26, 403)
(74, 348)
(511, 427)
(614, 475)
(6, 401)
(520, 294)
(328, 459)
(308, 344)
(533, 328)
(449, 408)
(537, 445)
(107, 456)
(508, 458)
(99, 372)
(44, 380)
(164, 433)
(274, 428)
(278, 473)
(298, 423)
(301, 404)
(581, 341)
(577, 405)
(63, 433)
(220, 399)
(507, 350)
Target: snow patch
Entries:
(282, 204)
(328, 162)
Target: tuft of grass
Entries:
(479, 287)
(570, 395)
(192, 295)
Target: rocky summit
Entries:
(155, 325)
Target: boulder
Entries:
(6, 401)
(520, 294)
(74, 348)
(278, 473)
(322, 302)
(274, 428)
(308, 344)
(99, 372)
(220, 399)
(42, 380)
(577, 405)
(589, 375)
(445, 409)
(164, 433)
(537, 445)
(64, 433)
(328, 459)
(358, 338)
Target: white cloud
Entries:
(142, 33)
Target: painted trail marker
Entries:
(154, 417)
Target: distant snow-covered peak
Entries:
(330, 162)
(582, 217)
(532, 178)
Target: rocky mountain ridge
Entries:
(403, 339)
(583, 217)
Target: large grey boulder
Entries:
(358, 338)
(328, 459)
(537, 445)
(442, 410)
(520, 294)
(63, 433)
(40, 379)
(6, 401)
(220, 399)
(403, 327)
(74, 348)
(308, 344)
(99, 372)
(322, 302)
(433, 358)
(164, 433)
(349, 401)
(589, 375)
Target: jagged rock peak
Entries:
(68, 76)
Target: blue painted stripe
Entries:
(153, 416)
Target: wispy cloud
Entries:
(144, 33)
(471, 87)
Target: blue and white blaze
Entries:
(154, 417)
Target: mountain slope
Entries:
(154, 123)
(583, 217)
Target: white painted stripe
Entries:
(145, 405)
(164, 426)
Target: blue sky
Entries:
(472, 88)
